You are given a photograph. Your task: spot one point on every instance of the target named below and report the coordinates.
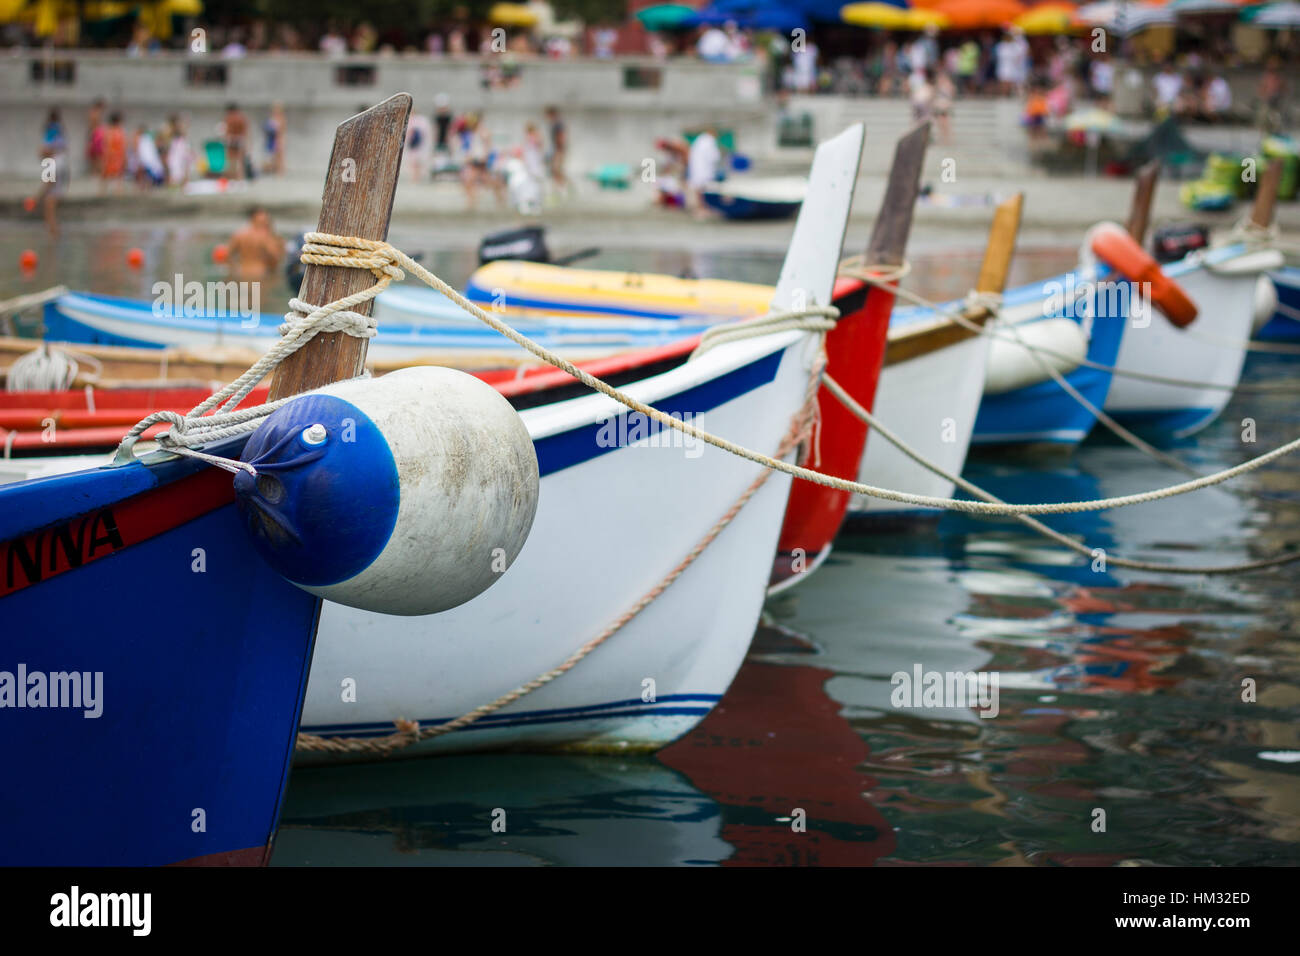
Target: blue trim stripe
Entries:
(620, 708)
(557, 452)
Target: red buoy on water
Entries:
(220, 253)
(27, 260)
(29, 204)
(135, 257)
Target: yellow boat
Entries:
(539, 289)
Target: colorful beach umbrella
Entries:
(1123, 19)
(513, 15)
(1275, 16)
(882, 16)
(1047, 19)
(665, 16)
(1193, 7)
(979, 14)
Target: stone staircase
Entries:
(987, 141)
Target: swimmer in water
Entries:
(255, 249)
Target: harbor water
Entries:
(1168, 702)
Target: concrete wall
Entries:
(609, 119)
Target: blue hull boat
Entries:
(1044, 412)
(153, 671)
(413, 324)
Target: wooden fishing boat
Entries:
(412, 324)
(640, 502)
(139, 744)
(1221, 282)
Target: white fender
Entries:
(406, 494)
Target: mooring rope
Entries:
(384, 260)
(878, 427)
(1107, 421)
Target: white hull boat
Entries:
(614, 519)
(1222, 284)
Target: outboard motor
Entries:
(527, 244)
(1171, 243)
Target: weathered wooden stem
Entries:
(1144, 191)
(1002, 245)
(1261, 214)
(894, 223)
(357, 201)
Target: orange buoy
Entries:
(29, 203)
(1120, 251)
(220, 253)
(27, 260)
(135, 257)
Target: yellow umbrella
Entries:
(513, 15)
(919, 18)
(1047, 18)
(880, 15)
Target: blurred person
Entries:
(149, 169)
(234, 129)
(603, 39)
(255, 250)
(1036, 111)
(1012, 56)
(920, 93)
(1272, 94)
(1167, 84)
(804, 63)
(1187, 105)
(95, 136)
(1101, 77)
(180, 154)
(1217, 104)
(332, 43)
(113, 162)
(533, 153)
(442, 120)
(418, 152)
(559, 147)
(702, 163)
(54, 156)
(713, 46)
(968, 62)
(945, 94)
(274, 129)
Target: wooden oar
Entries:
(923, 338)
(357, 201)
(1261, 214)
(1144, 190)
